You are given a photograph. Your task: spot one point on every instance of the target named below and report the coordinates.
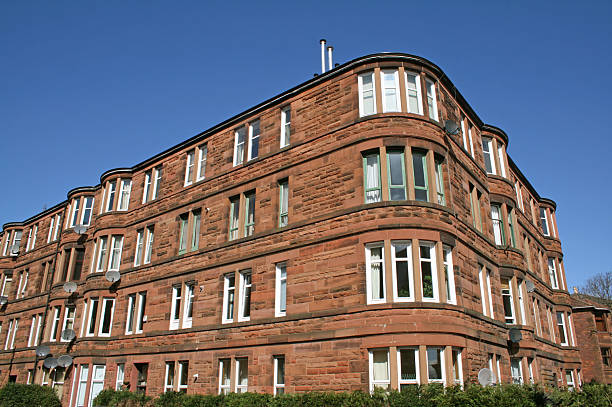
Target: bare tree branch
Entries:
(600, 285)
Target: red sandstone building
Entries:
(334, 237)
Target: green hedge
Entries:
(28, 395)
(434, 395)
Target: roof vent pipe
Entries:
(323, 41)
(330, 49)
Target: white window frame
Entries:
(496, 219)
(148, 250)
(225, 387)
(82, 386)
(147, 186)
(102, 252)
(502, 163)
(408, 260)
(202, 160)
(124, 195)
(562, 326)
(238, 387)
(29, 239)
(189, 167)
(87, 208)
(521, 291)
(182, 365)
(54, 323)
(481, 281)
(278, 288)
(417, 379)
(279, 388)
(120, 376)
(252, 139)
(285, 137)
(238, 144)
(447, 255)
(188, 301)
(431, 95)
(488, 155)
(419, 96)
(95, 381)
(74, 212)
(552, 273)
(139, 247)
(441, 353)
(177, 300)
(510, 294)
(112, 315)
(31, 335)
(362, 113)
(130, 318)
(242, 298)
(51, 229)
(516, 378)
(519, 195)
(368, 255)
(141, 317)
(570, 329)
(112, 191)
(226, 299)
(457, 381)
(530, 370)
(84, 316)
(536, 316)
(571, 385)
(157, 172)
(8, 335)
(490, 291)
(169, 375)
(115, 252)
(66, 319)
(91, 317)
(394, 72)
(434, 271)
(378, 383)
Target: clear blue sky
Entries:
(89, 86)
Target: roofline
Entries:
(530, 187)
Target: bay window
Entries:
(403, 280)
(390, 90)
(379, 369)
(367, 94)
(396, 175)
(432, 104)
(413, 93)
(375, 273)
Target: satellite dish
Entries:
(515, 335)
(3, 300)
(530, 286)
(113, 276)
(486, 377)
(64, 360)
(68, 335)
(42, 351)
(50, 363)
(15, 249)
(70, 287)
(451, 127)
(80, 229)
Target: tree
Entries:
(600, 285)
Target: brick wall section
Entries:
(329, 328)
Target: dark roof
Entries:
(588, 301)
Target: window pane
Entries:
(420, 176)
(434, 364)
(372, 179)
(408, 365)
(380, 365)
(396, 175)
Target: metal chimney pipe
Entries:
(323, 55)
(330, 49)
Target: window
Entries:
(371, 168)
(35, 330)
(475, 207)
(54, 324)
(244, 302)
(249, 221)
(570, 327)
(280, 303)
(142, 304)
(74, 212)
(131, 313)
(229, 287)
(440, 181)
(484, 276)
(143, 373)
(149, 245)
(435, 363)
(456, 367)
(182, 306)
(106, 320)
(183, 219)
(283, 206)
(6, 243)
(152, 184)
(431, 99)
(544, 220)
(102, 254)
(498, 225)
(487, 151)
(32, 238)
(82, 387)
(519, 195)
(124, 195)
(562, 329)
(115, 254)
(188, 178)
(189, 231)
(551, 326)
(234, 218)
(279, 375)
(91, 320)
(511, 227)
(169, 381)
(97, 382)
(600, 322)
(253, 151)
(569, 379)
(521, 290)
(69, 314)
(120, 376)
(367, 94)
(530, 370)
(239, 139)
(183, 376)
(242, 375)
(54, 227)
(88, 203)
(11, 334)
(408, 362)
(413, 93)
(419, 165)
(508, 301)
(449, 275)
(390, 90)
(202, 157)
(502, 163)
(516, 371)
(110, 196)
(606, 357)
(470, 127)
(396, 175)
(403, 280)
(285, 137)
(375, 273)
(552, 273)
(23, 283)
(429, 278)
(138, 251)
(6, 285)
(379, 369)
(224, 376)
(536, 317)
(14, 249)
